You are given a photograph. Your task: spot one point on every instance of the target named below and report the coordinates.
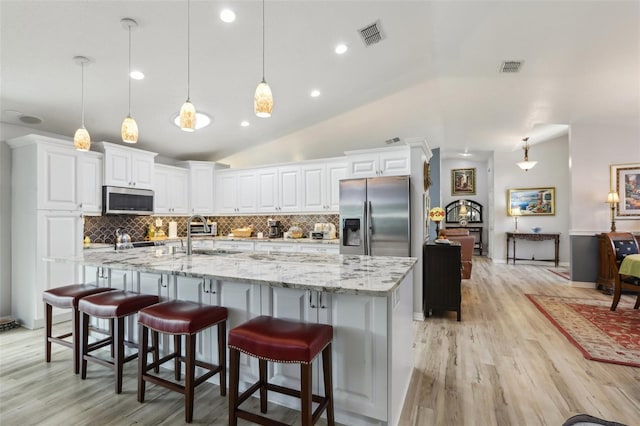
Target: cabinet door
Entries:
(335, 172)
(289, 189)
(395, 163)
(202, 189)
(359, 351)
(161, 204)
(313, 180)
(275, 247)
(226, 190)
(320, 248)
(179, 192)
(117, 168)
(142, 170)
(247, 192)
(365, 165)
(268, 190)
(57, 179)
(235, 245)
(90, 183)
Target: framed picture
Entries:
(532, 201)
(625, 179)
(463, 182)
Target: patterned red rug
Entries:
(601, 335)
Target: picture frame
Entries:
(532, 201)
(463, 181)
(625, 179)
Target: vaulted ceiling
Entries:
(434, 74)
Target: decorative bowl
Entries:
(536, 230)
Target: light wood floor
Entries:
(504, 364)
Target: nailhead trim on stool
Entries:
(66, 297)
(182, 318)
(115, 306)
(281, 340)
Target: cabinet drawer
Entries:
(235, 245)
(309, 248)
(281, 247)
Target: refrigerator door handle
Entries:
(369, 229)
(365, 244)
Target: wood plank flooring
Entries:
(504, 364)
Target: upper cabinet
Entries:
(236, 191)
(202, 190)
(379, 162)
(171, 193)
(58, 177)
(279, 189)
(321, 186)
(90, 185)
(127, 167)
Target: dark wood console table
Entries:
(513, 236)
(476, 231)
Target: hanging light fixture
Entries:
(129, 130)
(263, 99)
(526, 164)
(81, 139)
(188, 111)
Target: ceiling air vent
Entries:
(372, 34)
(392, 141)
(511, 66)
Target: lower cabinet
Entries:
(441, 278)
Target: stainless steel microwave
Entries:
(117, 200)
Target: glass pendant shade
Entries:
(82, 140)
(263, 100)
(129, 130)
(526, 165)
(188, 117)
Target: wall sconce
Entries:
(613, 199)
(515, 212)
(436, 214)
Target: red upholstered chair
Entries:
(621, 245)
(66, 297)
(467, 242)
(116, 306)
(280, 340)
(182, 318)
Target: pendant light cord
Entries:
(263, 80)
(129, 70)
(82, 91)
(188, 50)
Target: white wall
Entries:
(552, 170)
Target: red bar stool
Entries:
(280, 340)
(66, 297)
(115, 306)
(182, 318)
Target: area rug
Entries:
(561, 273)
(600, 334)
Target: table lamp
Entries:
(515, 212)
(436, 214)
(613, 199)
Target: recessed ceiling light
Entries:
(227, 15)
(315, 93)
(465, 154)
(136, 75)
(245, 123)
(341, 48)
(202, 120)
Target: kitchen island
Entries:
(368, 301)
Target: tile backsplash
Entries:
(102, 229)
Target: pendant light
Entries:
(129, 129)
(263, 99)
(526, 164)
(188, 111)
(81, 139)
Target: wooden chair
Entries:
(621, 245)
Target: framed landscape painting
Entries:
(463, 182)
(532, 201)
(625, 179)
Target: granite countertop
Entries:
(366, 275)
(336, 241)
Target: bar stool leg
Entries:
(222, 356)
(262, 367)
(47, 334)
(328, 383)
(190, 372)
(143, 335)
(177, 347)
(75, 339)
(306, 388)
(119, 359)
(84, 349)
(234, 382)
(156, 350)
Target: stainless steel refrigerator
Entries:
(375, 216)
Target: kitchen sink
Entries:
(214, 252)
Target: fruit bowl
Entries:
(536, 230)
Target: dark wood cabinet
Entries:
(441, 278)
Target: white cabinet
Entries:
(236, 191)
(127, 167)
(234, 245)
(321, 186)
(275, 247)
(202, 187)
(382, 162)
(320, 248)
(58, 176)
(90, 183)
(171, 190)
(279, 189)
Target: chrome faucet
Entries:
(205, 227)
